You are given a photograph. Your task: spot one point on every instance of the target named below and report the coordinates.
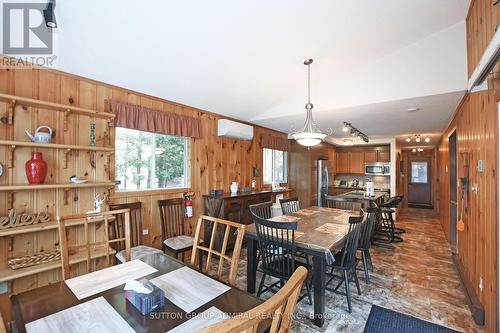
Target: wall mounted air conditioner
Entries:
(489, 59)
(234, 130)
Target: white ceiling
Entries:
(243, 59)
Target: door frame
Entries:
(448, 171)
(498, 216)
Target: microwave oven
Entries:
(377, 169)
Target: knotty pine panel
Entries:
(214, 162)
(477, 246)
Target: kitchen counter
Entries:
(229, 195)
(361, 196)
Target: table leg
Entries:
(251, 264)
(319, 289)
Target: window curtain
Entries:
(275, 142)
(146, 119)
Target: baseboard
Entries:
(473, 303)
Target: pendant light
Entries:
(309, 135)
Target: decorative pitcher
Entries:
(234, 187)
(36, 169)
(41, 137)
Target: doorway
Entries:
(419, 182)
(452, 139)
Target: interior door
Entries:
(453, 190)
(419, 185)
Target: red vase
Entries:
(36, 169)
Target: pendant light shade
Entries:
(309, 135)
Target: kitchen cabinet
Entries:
(357, 162)
(371, 156)
(384, 156)
(342, 164)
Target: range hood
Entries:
(489, 59)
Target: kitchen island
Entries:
(355, 198)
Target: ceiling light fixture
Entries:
(414, 150)
(355, 132)
(49, 14)
(420, 149)
(414, 109)
(417, 139)
(408, 139)
(427, 139)
(309, 135)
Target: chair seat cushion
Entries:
(179, 242)
(138, 252)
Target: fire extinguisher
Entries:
(188, 203)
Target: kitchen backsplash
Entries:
(380, 182)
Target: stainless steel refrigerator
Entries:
(324, 180)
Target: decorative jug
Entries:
(234, 187)
(41, 137)
(36, 169)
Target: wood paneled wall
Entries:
(303, 170)
(482, 20)
(477, 246)
(214, 162)
(476, 124)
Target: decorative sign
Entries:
(14, 219)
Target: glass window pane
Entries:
(149, 160)
(267, 166)
(419, 172)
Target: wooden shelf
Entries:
(53, 146)
(54, 106)
(45, 226)
(21, 187)
(8, 274)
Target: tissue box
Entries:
(146, 303)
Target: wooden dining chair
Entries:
(262, 210)
(279, 308)
(175, 240)
(228, 227)
(117, 230)
(290, 205)
(90, 250)
(341, 202)
(366, 241)
(346, 260)
(276, 241)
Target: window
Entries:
(147, 160)
(419, 172)
(275, 166)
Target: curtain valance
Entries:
(275, 142)
(150, 120)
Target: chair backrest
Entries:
(215, 223)
(276, 245)
(279, 308)
(341, 202)
(213, 206)
(290, 205)
(117, 228)
(368, 227)
(262, 210)
(393, 201)
(172, 214)
(351, 242)
(90, 250)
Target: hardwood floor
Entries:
(416, 278)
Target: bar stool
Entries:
(385, 230)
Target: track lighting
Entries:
(348, 128)
(49, 14)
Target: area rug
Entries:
(382, 320)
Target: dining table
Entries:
(320, 234)
(52, 299)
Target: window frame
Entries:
(273, 159)
(150, 191)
